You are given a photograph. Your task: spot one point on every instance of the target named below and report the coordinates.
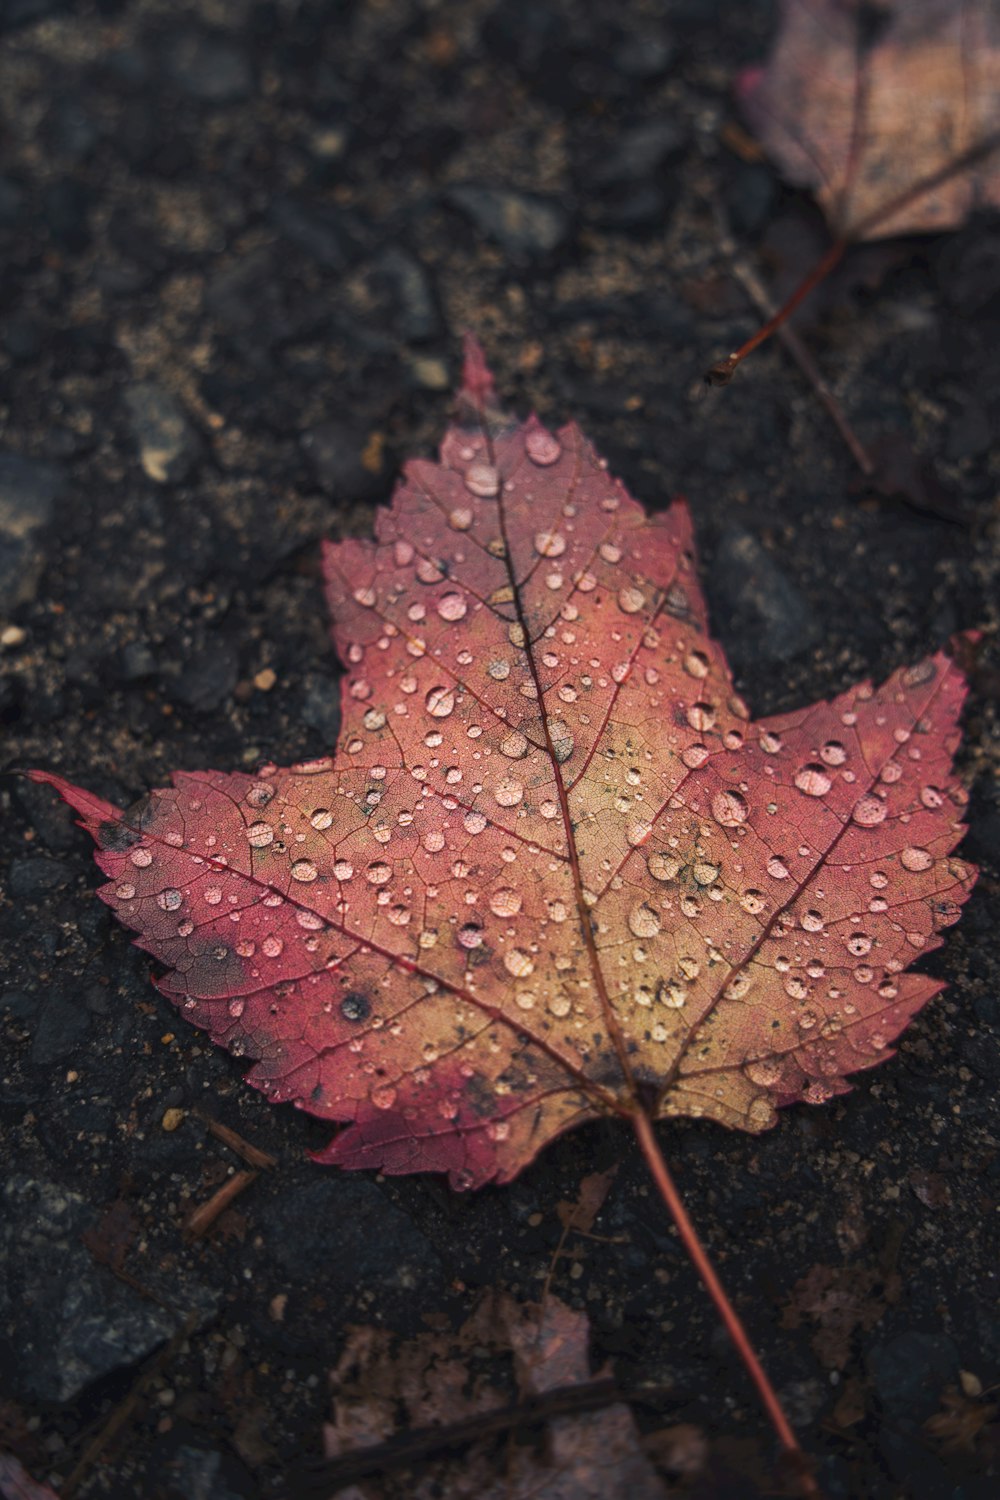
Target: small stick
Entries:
(755, 290)
(203, 1217)
(251, 1154)
(322, 1477)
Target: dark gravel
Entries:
(238, 245)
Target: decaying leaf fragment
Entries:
(425, 1411)
(553, 870)
(860, 103)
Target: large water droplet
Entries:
(694, 756)
(631, 600)
(304, 870)
(869, 811)
(440, 701)
(562, 740)
(701, 716)
(378, 872)
(259, 835)
(508, 792)
(272, 946)
(550, 543)
(452, 607)
(813, 780)
(482, 480)
(471, 935)
(321, 818)
(643, 921)
(916, 859)
(696, 664)
(663, 866)
(541, 447)
(760, 1113)
(518, 963)
(514, 745)
(169, 900)
(730, 809)
(505, 902)
(141, 858)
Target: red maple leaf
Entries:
(553, 871)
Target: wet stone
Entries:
(765, 614)
(64, 1321)
(36, 875)
(136, 662)
(526, 226)
(16, 13)
(376, 1244)
(70, 130)
(207, 680)
(29, 489)
(11, 202)
(414, 315)
(640, 153)
(645, 55)
(166, 440)
(210, 69)
(59, 1030)
(66, 209)
(750, 196)
(333, 451)
(324, 233)
(200, 1474)
(910, 1371)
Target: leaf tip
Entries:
(477, 378)
(93, 810)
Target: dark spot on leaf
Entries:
(116, 836)
(355, 1007)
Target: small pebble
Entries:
(172, 1118)
(265, 679)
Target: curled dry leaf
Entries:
(862, 103)
(554, 870)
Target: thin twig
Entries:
(205, 1215)
(757, 292)
(251, 1154)
(323, 1477)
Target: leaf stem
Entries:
(692, 1244)
(723, 372)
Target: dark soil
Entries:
(239, 243)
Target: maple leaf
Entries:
(554, 871)
(866, 105)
